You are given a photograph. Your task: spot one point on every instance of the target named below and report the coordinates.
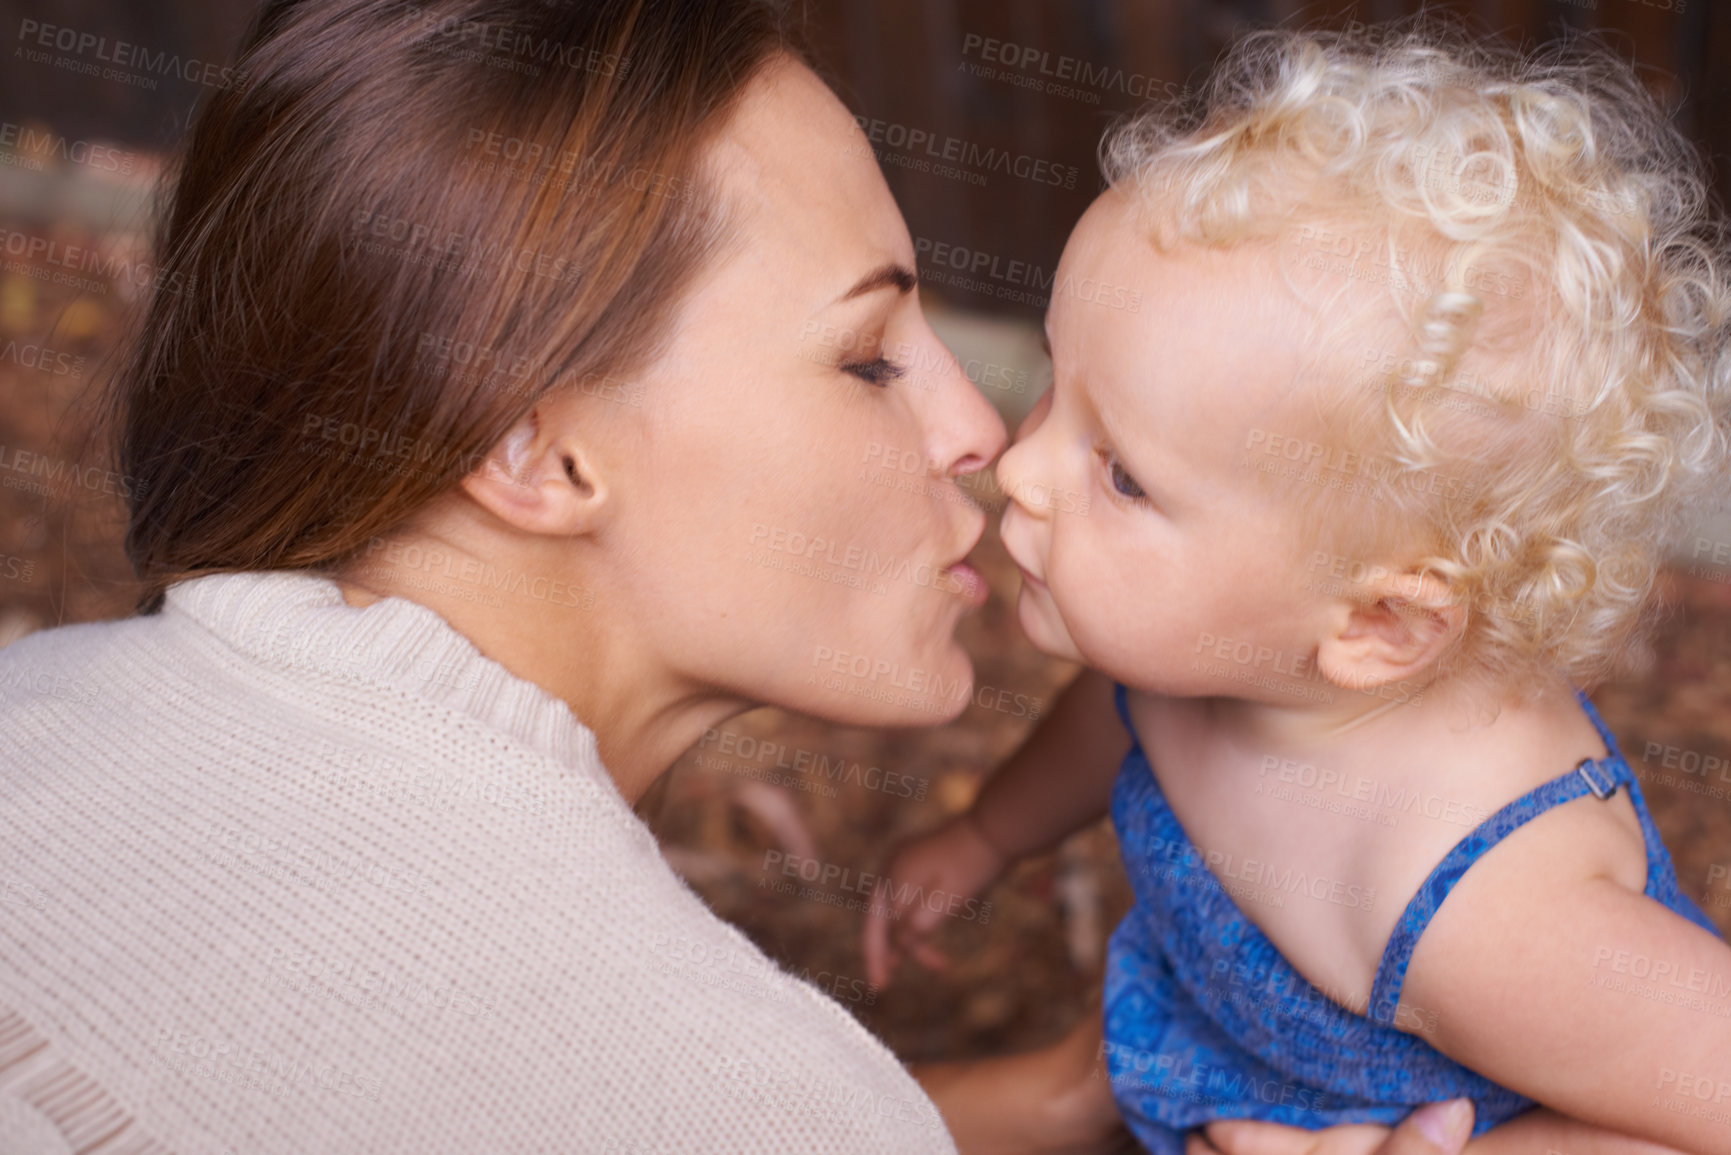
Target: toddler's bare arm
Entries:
(1552, 974)
(1060, 780)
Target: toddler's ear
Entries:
(1393, 629)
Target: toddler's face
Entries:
(1144, 537)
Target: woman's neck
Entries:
(548, 632)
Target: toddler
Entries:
(1430, 362)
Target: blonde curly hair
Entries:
(1537, 213)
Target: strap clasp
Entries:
(1599, 792)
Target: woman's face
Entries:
(790, 512)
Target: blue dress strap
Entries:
(1605, 734)
(1600, 777)
(1121, 700)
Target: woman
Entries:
(450, 450)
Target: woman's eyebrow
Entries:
(890, 275)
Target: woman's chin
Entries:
(927, 689)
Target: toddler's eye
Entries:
(879, 372)
(1121, 479)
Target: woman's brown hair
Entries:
(402, 225)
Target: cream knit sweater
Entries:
(278, 874)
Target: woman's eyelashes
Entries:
(880, 371)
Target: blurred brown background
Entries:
(77, 156)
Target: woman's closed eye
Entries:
(880, 371)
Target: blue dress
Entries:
(1205, 1019)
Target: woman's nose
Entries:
(964, 431)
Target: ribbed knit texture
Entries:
(283, 875)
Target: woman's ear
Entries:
(1392, 629)
(539, 480)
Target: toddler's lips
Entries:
(1029, 578)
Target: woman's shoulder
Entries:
(474, 976)
(472, 937)
(69, 663)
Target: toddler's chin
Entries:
(1044, 628)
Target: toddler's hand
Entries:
(1434, 1129)
(954, 859)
